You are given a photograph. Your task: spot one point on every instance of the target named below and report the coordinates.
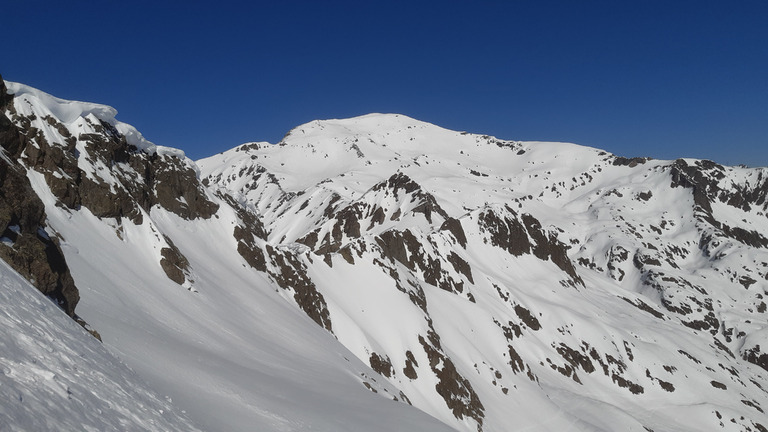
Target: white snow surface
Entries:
(620, 344)
(72, 113)
(54, 376)
(232, 352)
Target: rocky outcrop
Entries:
(706, 180)
(290, 273)
(756, 356)
(246, 236)
(101, 171)
(455, 389)
(523, 234)
(400, 183)
(24, 243)
(174, 264)
(419, 256)
(454, 227)
(93, 166)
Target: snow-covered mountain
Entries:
(381, 273)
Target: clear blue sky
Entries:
(637, 78)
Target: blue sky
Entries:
(645, 78)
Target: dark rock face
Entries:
(291, 274)
(409, 370)
(454, 227)
(123, 182)
(548, 247)
(705, 178)
(28, 249)
(246, 235)
(124, 179)
(629, 162)
(25, 244)
(396, 244)
(406, 248)
(174, 264)
(97, 170)
(756, 356)
(401, 186)
(177, 188)
(506, 232)
(381, 365)
(456, 391)
(351, 221)
(521, 235)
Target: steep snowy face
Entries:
(478, 274)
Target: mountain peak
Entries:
(364, 124)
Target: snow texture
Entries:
(55, 376)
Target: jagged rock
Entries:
(406, 248)
(454, 227)
(174, 264)
(506, 232)
(455, 389)
(629, 162)
(177, 188)
(246, 235)
(382, 365)
(409, 369)
(26, 245)
(521, 235)
(125, 181)
(289, 273)
(427, 203)
(395, 245)
(548, 247)
(756, 356)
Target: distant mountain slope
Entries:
(493, 285)
(614, 281)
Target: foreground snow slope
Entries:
(55, 376)
(230, 350)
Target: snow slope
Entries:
(223, 344)
(231, 351)
(56, 376)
